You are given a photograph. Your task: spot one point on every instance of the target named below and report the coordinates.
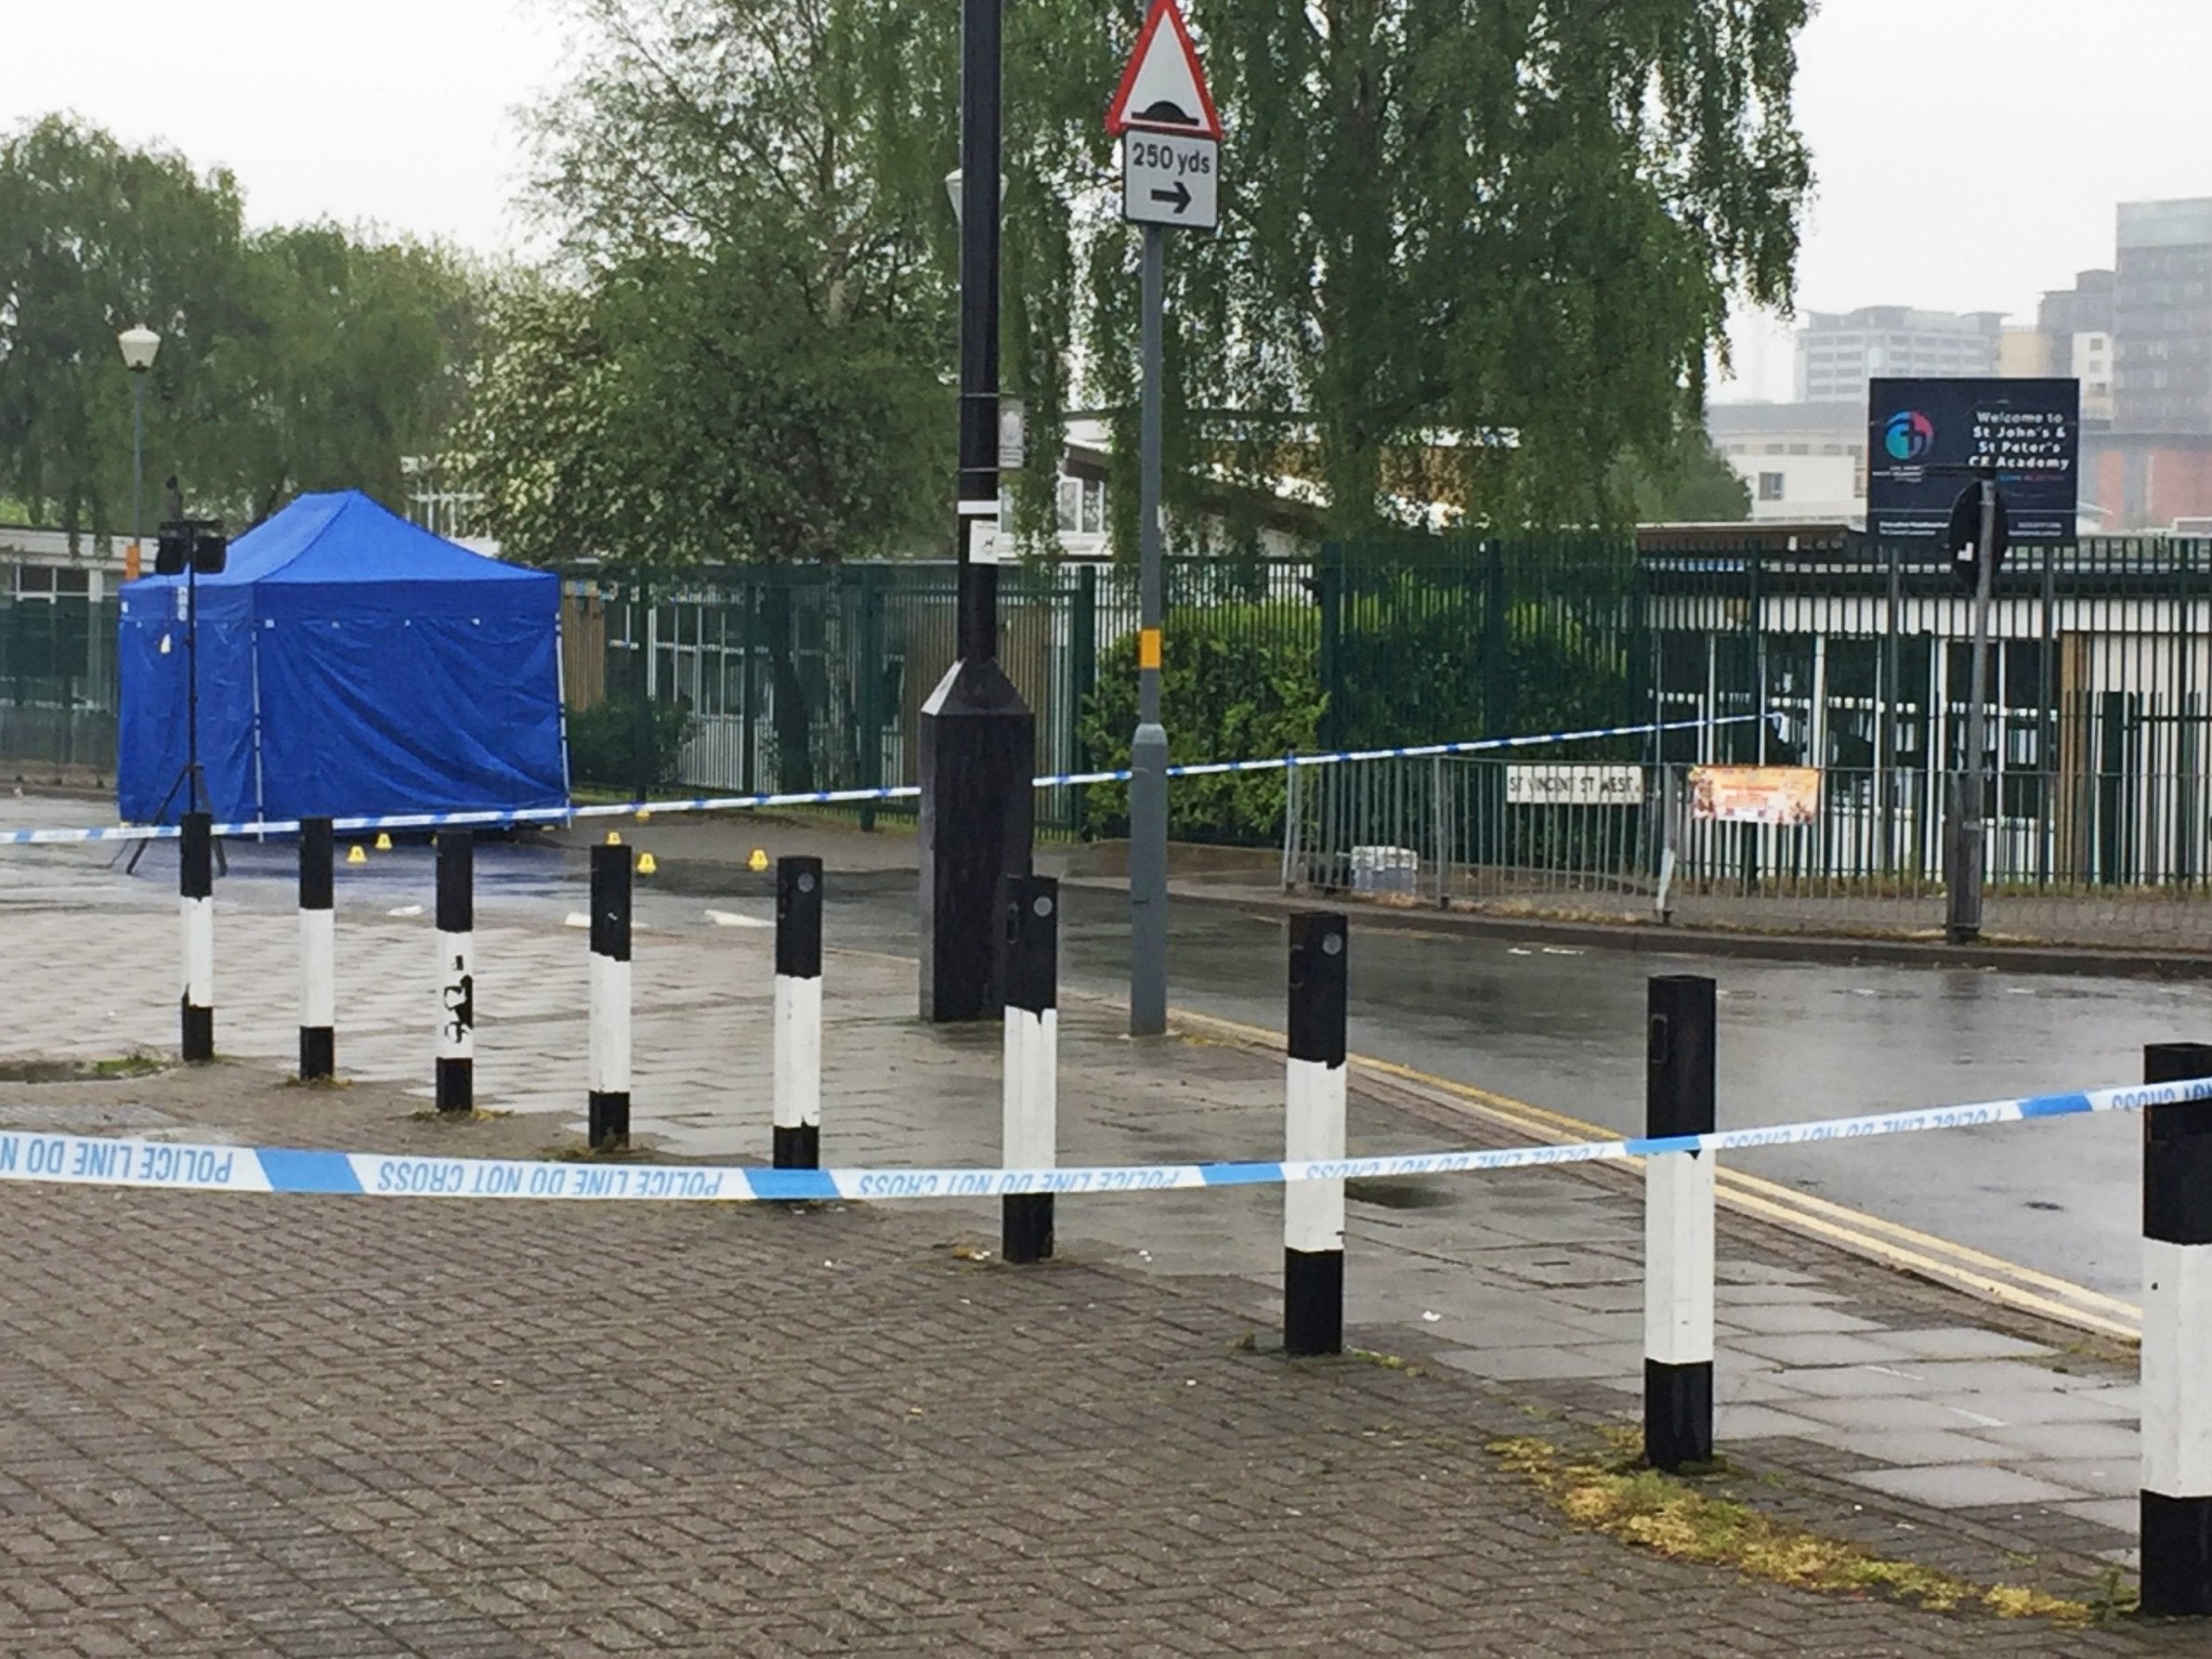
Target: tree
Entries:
(352, 355)
(1689, 483)
(1473, 251)
(293, 360)
(99, 237)
(1517, 223)
(739, 354)
(668, 411)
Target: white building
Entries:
(1803, 463)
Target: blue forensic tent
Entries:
(350, 663)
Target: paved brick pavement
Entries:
(306, 1427)
(332, 1427)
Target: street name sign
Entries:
(1574, 786)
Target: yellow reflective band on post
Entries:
(1147, 647)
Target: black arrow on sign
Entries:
(1180, 195)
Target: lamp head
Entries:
(139, 345)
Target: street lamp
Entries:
(952, 189)
(977, 738)
(140, 345)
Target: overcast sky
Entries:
(1970, 152)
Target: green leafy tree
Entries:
(1691, 482)
(293, 360)
(350, 355)
(97, 239)
(1472, 250)
(660, 416)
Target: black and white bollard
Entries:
(2177, 1356)
(609, 1123)
(798, 1036)
(1030, 972)
(1677, 1225)
(318, 954)
(457, 971)
(1314, 1129)
(195, 889)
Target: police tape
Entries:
(91, 1160)
(853, 797)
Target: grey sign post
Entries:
(1170, 177)
(1979, 529)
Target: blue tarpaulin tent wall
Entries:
(350, 663)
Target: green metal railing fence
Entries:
(1844, 654)
(58, 690)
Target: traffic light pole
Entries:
(1963, 920)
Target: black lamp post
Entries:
(978, 739)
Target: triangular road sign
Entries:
(1164, 87)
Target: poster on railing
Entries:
(1783, 795)
(1574, 786)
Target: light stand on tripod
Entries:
(189, 547)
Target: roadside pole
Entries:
(1171, 140)
(1148, 749)
(1963, 922)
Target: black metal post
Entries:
(978, 739)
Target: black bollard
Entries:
(797, 1105)
(1313, 1130)
(318, 953)
(1029, 970)
(1677, 1225)
(457, 971)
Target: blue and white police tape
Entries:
(90, 1160)
(561, 815)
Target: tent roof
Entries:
(345, 537)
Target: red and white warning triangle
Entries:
(1163, 88)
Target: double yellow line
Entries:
(1905, 1249)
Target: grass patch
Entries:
(474, 1115)
(1645, 1509)
(127, 1065)
(113, 1068)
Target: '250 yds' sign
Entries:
(1168, 178)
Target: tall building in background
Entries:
(1840, 352)
(2077, 325)
(2162, 318)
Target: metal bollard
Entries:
(1677, 1225)
(195, 890)
(798, 1018)
(457, 971)
(318, 954)
(1030, 971)
(1314, 1129)
(609, 1122)
(2177, 1355)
